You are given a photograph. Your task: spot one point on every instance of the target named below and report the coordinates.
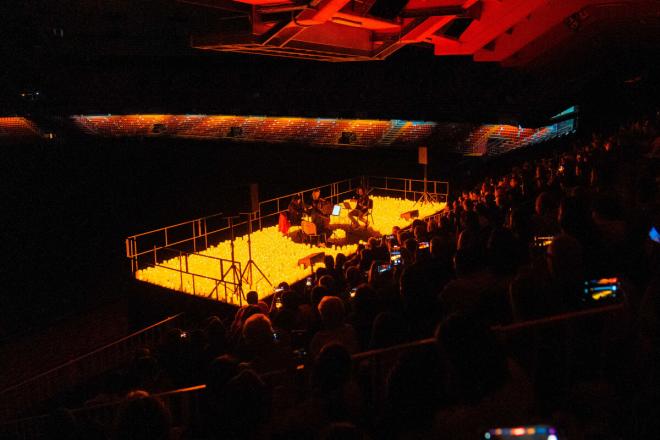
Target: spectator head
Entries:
(284, 286)
(216, 332)
(366, 258)
(320, 272)
(565, 261)
(318, 293)
(502, 252)
(544, 205)
(420, 233)
(316, 193)
(258, 331)
(441, 249)
(606, 207)
(471, 220)
(245, 406)
(328, 282)
(574, 216)
(465, 262)
(387, 330)
(411, 245)
(415, 389)
(364, 299)
(329, 262)
(332, 368)
(332, 312)
(289, 300)
(252, 298)
(478, 366)
(219, 372)
(142, 416)
(372, 243)
(340, 260)
(354, 276)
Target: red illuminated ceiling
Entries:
(361, 30)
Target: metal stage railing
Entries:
(228, 275)
(182, 240)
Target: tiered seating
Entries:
(414, 132)
(498, 139)
(369, 132)
(488, 139)
(476, 141)
(17, 129)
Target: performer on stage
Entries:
(318, 211)
(361, 210)
(295, 210)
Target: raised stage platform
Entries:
(201, 263)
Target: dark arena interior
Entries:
(330, 219)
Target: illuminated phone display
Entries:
(543, 241)
(603, 288)
(533, 432)
(384, 268)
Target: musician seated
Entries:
(320, 213)
(295, 210)
(361, 209)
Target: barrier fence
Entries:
(22, 397)
(182, 240)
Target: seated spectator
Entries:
(318, 293)
(388, 329)
(484, 387)
(261, 348)
(335, 398)
(329, 283)
(354, 277)
(334, 329)
(566, 269)
(172, 356)
(216, 337)
(544, 221)
(364, 309)
(252, 298)
(218, 374)
(415, 390)
(142, 416)
(244, 408)
(239, 320)
(287, 316)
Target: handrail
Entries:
(564, 317)
(27, 393)
(119, 341)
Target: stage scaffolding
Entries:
(189, 238)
